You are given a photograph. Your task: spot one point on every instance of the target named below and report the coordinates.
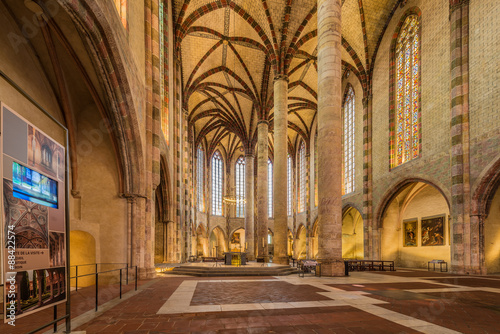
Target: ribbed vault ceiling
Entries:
(231, 51)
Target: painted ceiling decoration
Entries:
(232, 50)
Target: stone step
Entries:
(232, 271)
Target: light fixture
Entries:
(234, 200)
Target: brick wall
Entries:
(484, 88)
(434, 163)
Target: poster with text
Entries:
(33, 217)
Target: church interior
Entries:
(250, 166)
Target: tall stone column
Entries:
(464, 236)
(249, 207)
(329, 138)
(262, 191)
(280, 169)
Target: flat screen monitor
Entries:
(32, 186)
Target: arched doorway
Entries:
(485, 221)
(201, 241)
(301, 243)
(163, 232)
(415, 227)
(290, 243)
(314, 240)
(237, 240)
(492, 236)
(82, 251)
(270, 242)
(352, 234)
(218, 244)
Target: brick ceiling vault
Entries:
(231, 51)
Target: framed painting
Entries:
(410, 228)
(433, 231)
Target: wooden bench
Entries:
(441, 262)
(209, 259)
(370, 265)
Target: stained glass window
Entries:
(240, 186)
(302, 177)
(200, 178)
(407, 70)
(163, 27)
(217, 172)
(270, 187)
(289, 185)
(121, 7)
(348, 139)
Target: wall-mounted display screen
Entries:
(33, 186)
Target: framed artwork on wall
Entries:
(410, 229)
(433, 231)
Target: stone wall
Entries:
(484, 27)
(434, 163)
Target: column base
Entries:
(281, 260)
(332, 268)
(146, 273)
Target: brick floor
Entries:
(82, 301)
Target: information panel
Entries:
(33, 219)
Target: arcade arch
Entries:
(415, 226)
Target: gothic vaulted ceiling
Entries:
(231, 51)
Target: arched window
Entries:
(240, 186)
(405, 99)
(289, 185)
(302, 177)
(200, 178)
(163, 34)
(46, 156)
(217, 172)
(348, 139)
(270, 187)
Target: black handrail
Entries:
(93, 264)
(96, 273)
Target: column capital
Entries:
(279, 77)
(263, 121)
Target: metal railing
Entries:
(96, 274)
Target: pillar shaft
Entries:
(329, 137)
(280, 170)
(262, 191)
(464, 245)
(249, 207)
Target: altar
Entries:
(235, 258)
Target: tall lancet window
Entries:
(348, 139)
(200, 178)
(270, 187)
(289, 185)
(405, 144)
(240, 186)
(302, 177)
(217, 173)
